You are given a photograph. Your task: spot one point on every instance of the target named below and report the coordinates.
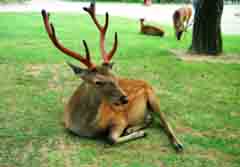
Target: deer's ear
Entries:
(77, 70)
(108, 65)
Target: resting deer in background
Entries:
(181, 18)
(150, 30)
(104, 103)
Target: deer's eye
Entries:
(100, 83)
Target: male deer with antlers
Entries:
(104, 103)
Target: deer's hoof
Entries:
(129, 131)
(178, 147)
(141, 133)
(111, 141)
(145, 134)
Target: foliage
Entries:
(201, 100)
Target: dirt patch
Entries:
(189, 57)
(217, 133)
(237, 14)
(189, 130)
(34, 69)
(60, 150)
(235, 114)
(184, 129)
(210, 154)
(53, 83)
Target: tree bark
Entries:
(207, 38)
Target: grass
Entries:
(201, 100)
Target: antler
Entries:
(102, 29)
(52, 35)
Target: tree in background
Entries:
(207, 38)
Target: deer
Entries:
(105, 105)
(150, 30)
(181, 18)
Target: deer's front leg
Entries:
(133, 129)
(147, 121)
(154, 104)
(188, 24)
(185, 26)
(116, 133)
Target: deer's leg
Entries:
(154, 105)
(147, 121)
(185, 25)
(188, 24)
(136, 128)
(116, 132)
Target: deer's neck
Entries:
(92, 99)
(85, 104)
(142, 25)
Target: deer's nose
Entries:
(124, 99)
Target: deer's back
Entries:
(150, 30)
(185, 13)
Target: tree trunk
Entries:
(207, 38)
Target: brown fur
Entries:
(90, 113)
(150, 30)
(181, 18)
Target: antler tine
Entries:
(106, 22)
(92, 12)
(114, 48)
(52, 35)
(86, 50)
(102, 29)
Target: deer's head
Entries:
(178, 24)
(142, 20)
(98, 77)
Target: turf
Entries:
(201, 100)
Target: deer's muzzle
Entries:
(124, 99)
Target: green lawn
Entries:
(201, 100)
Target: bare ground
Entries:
(223, 58)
